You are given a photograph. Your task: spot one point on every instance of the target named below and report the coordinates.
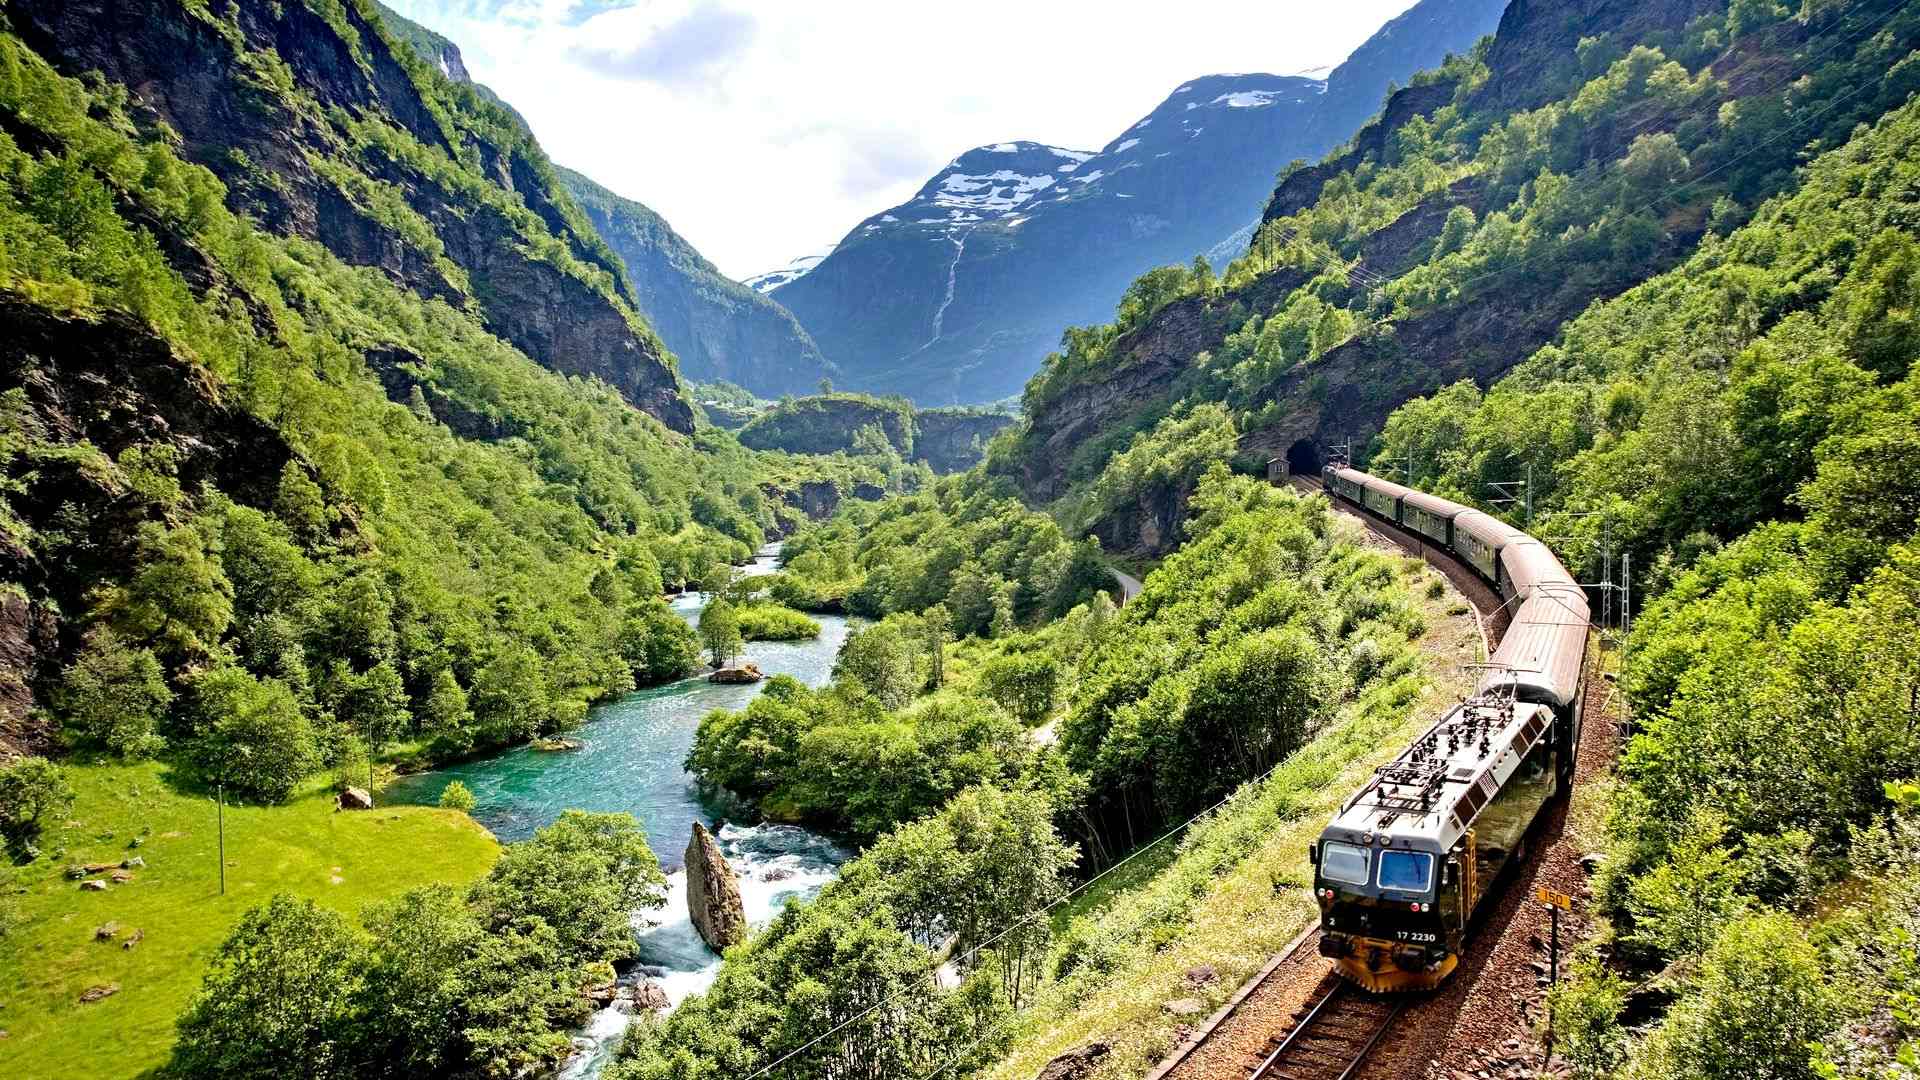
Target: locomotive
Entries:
(1401, 870)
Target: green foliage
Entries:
(884, 661)
(397, 580)
(1026, 685)
(772, 622)
(279, 990)
(457, 796)
(247, 734)
(720, 632)
(1758, 1004)
(31, 789)
(487, 983)
(978, 870)
(658, 644)
(1229, 658)
(113, 698)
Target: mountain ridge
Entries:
(1181, 181)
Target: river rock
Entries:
(713, 894)
(1075, 1063)
(354, 798)
(744, 673)
(651, 995)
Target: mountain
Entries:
(719, 328)
(978, 274)
(356, 147)
(948, 439)
(1577, 154)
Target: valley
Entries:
(450, 628)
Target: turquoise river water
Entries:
(631, 760)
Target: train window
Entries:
(1406, 871)
(1343, 863)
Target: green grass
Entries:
(343, 860)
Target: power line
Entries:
(975, 951)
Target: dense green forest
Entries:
(1750, 421)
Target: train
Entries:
(1410, 858)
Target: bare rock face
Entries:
(745, 673)
(713, 895)
(1075, 1063)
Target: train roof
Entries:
(1541, 655)
(1427, 797)
(1486, 528)
(1434, 504)
(1387, 487)
(1530, 564)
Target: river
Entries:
(631, 760)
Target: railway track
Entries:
(1332, 1039)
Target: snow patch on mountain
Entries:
(786, 275)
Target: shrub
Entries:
(457, 796)
(279, 991)
(771, 622)
(30, 789)
(112, 698)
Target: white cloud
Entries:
(766, 130)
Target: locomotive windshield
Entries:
(1344, 863)
(1406, 871)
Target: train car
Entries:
(1345, 483)
(1478, 539)
(1430, 516)
(1383, 497)
(1400, 872)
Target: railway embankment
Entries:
(1294, 1017)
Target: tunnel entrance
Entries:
(1303, 458)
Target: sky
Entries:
(764, 131)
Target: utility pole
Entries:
(221, 817)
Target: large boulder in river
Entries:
(713, 895)
(745, 673)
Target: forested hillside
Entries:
(299, 504)
(948, 440)
(1564, 161)
(1747, 425)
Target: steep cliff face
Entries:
(713, 894)
(81, 396)
(954, 440)
(719, 328)
(1013, 242)
(325, 126)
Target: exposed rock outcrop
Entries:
(713, 894)
(1076, 1063)
(954, 440)
(739, 674)
(354, 798)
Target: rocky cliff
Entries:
(90, 396)
(719, 328)
(713, 894)
(954, 440)
(828, 423)
(1009, 244)
(324, 125)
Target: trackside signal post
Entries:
(1556, 902)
